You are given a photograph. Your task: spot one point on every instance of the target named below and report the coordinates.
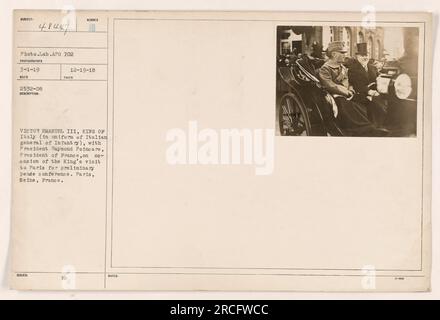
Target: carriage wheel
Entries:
(293, 118)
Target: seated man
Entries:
(361, 74)
(352, 117)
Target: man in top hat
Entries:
(362, 76)
(352, 117)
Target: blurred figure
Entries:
(316, 56)
(317, 51)
(293, 56)
(408, 63)
(348, 61)
(373, 68)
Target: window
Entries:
(377, 50)
(327, 36)
(346, 38)
(361, 38)
(370, 47)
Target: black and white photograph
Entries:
(347, 81)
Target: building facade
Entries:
(301, 39)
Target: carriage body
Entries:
(305, 108)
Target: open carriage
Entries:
(305, 108)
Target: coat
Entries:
(359, 79)
(334, 78)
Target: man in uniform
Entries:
(352, 117)
(362, 77)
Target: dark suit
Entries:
(360, 79)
